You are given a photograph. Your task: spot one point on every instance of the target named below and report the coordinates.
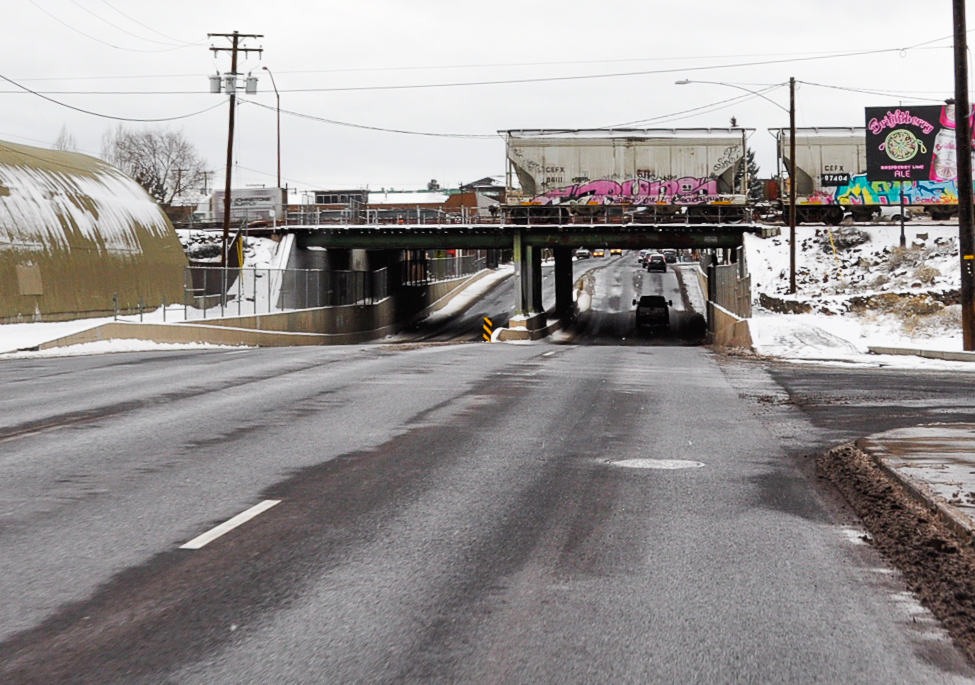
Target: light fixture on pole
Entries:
(278, 96)
(792, 161)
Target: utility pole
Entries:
(792, 185)
(231, 85)
(963, 144)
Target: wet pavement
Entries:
(936, 461)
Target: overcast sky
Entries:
(364, 63)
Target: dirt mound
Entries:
(938, 566)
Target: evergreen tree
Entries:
(755, 186)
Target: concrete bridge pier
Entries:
(528, 283)
(563, 282)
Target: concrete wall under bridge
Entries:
(346, 324)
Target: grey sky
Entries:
(138, 51)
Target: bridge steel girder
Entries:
(502, 236)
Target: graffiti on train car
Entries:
(637, 191)
(860, 191)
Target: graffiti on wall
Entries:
(860, 191)
(637, 191)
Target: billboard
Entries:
(250, 204)
(911, 144)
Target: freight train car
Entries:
(592, 175)
(831, 179)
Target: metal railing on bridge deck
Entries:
(662, 213)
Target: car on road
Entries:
(656, 262)
(599, 252)
(583, 253)
(615, 251)
(670, 256)
(652, 312)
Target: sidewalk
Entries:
(936, 464)
(927, 354)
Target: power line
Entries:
(99, 40)
(116, 26)
(872, 92)
(300, 115)
(531, 80)
(146, 26)
(703, 109)
(107, 116)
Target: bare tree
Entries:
(65, 141)
(163, 162)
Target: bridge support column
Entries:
(563, 282)
(528, 282)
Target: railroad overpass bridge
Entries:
(527, 242)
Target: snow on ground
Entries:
(106, 346)
(858, 294)
(470, 294)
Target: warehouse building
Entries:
(78, 238)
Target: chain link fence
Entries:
(213, 291)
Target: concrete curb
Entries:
(958, 522)
(927, 354)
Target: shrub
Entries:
(903, 256)
(926, 274)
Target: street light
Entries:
(792, 163)
(278, 96)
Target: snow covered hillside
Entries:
(856, 287)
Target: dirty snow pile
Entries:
(856, 287)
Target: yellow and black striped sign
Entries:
(488, 329)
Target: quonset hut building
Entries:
(74, 233)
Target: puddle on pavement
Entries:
(664, 464)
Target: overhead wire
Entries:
(108, 116)
(300, 115)
(99, 40)
(703, 109)
(116, 26)
(150, 28)
(532, 80)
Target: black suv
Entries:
(656, 262)
(652, 312)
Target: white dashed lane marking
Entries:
(227, 526)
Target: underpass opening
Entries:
(620, 302)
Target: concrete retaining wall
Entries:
(729, 330)
(320, 326)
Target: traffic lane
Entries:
(496, 305)
(83, 502)
(612, 317)
(45, 393)
(446, 555)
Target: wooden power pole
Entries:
(792, 185)
(231, 86)
(963, 144)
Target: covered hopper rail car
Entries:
(623, 175)
(831, 179)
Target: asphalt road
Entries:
(448, 513)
